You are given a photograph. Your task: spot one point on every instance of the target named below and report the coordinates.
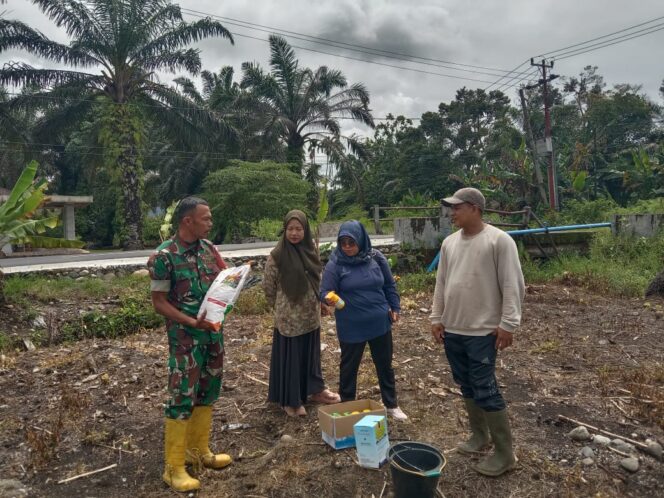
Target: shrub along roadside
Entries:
(617, 266)
(131, 317)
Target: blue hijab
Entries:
(356, 231)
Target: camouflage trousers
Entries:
(195, 371)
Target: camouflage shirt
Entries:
(186, 272)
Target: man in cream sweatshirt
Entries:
(476, 308)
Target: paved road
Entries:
(130, 258)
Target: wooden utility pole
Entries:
(531, 146)
(551, 170)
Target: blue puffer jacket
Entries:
(365, 283)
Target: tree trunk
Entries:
(295, 153)
(133, 214)
(122, 136)
(312, 178)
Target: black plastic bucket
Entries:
(415, 468)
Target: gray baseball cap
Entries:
(469, 195)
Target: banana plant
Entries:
(166, 228)
(17, 222)
(323, 210)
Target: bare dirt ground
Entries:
(69, 409)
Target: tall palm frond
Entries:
(304, 105)
(121, 45)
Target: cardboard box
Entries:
(371, 441)
(337, 431)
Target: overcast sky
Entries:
(488, 33)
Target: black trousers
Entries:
(473, 363)
(381, 353)
(295, 370)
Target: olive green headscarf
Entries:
(299, 264)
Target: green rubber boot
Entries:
(502, 459)
(479, 438)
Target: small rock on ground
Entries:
(601, 440)
(623, 446)
(11, 488)
(579, 434)
(630, 464)
(286, 439)
(587, 461)
(587, 452)
(654, 449)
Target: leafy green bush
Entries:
(621, 266)
(597, 211)
(151, 225)
(251, 302)
(600, 210)
(267, 229)
(644, 206)
(245, 193)
(131, 317)
(414, 283)
(26, 288)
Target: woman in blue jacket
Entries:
(361, 276)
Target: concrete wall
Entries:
(329, 229)
(96, 272)
(637, 225)
(424, 232)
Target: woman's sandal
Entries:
(326, 396)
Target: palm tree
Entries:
(302, 106)
(126, 42)
(230, 103)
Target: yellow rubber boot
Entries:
(175, 475)
(198, 440)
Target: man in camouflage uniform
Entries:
(181, 271)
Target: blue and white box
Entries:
(371, 441)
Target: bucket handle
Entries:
(424, 473)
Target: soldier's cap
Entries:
(469, 195)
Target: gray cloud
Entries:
(482, 32)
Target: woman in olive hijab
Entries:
(291, 283)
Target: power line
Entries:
(598, 46)
(510, 84)
(445, 66)
(612, 41)
(371, 62)
(348, 46)
(603, 36)
(574, 53)
(506, 75)
(366, 61)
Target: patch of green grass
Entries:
(546, 347)
(23, 289)
(6, 343)
(131, 317)
(251, 302)
(619, 266)
(267, 229)
(414, 283)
